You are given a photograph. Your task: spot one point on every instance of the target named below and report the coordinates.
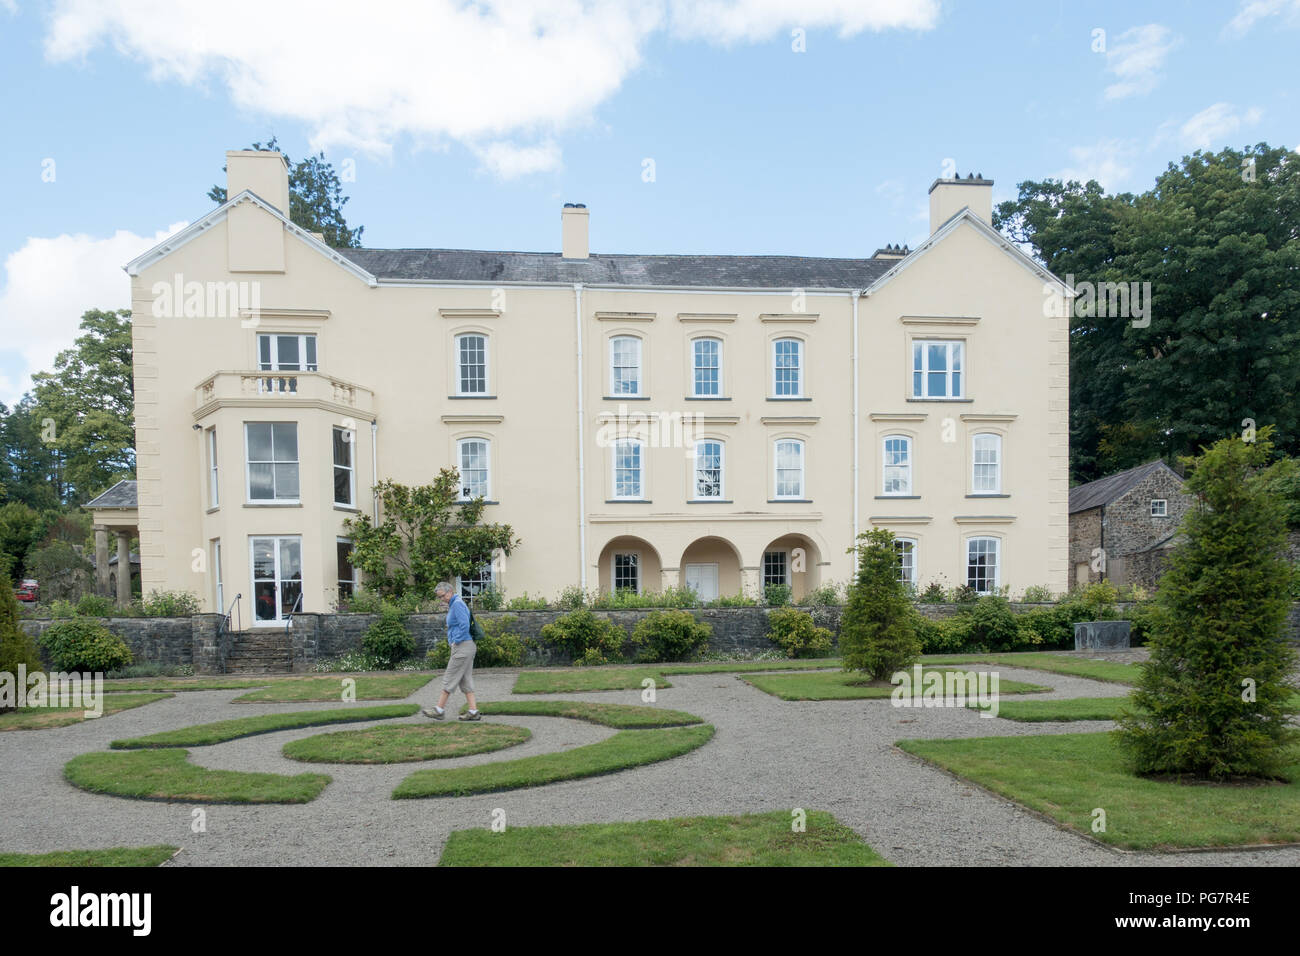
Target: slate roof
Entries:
(1105, 490)
(759, 272)
(121, 495)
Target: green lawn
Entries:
(44, 718)
(620, 716)
(1068, 776)
(1076, 708)
(840, 685)
(1113, 672)
(758, 839)
(188, 683)
(570, 680)
(627, 748)
(168, 775)
(368, 687)
(202, 735)
(406, 742)
(117, 856)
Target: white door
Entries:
(703, 580)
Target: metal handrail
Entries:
(225, 621)
(289, 619)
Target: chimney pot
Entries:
(573, 231)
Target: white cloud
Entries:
(1212, 125)
(1136, 57)
(49, 283)
(1106, 162)
(500, 77)
(1250, 12)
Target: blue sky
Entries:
(469, 128)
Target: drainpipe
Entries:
(374, 466)
(582, 464)
(853, 297)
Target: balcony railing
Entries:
(278, 386)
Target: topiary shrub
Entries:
(586, 638)
(16, 648)
(387, 639)
(1213, 699)
(85, 645)
(670, 636)
(93, 605)
(878, 630)
(797, 634)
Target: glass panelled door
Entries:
(277, 577)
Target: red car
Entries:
(28, 590)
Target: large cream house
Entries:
(643, 421)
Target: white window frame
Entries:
(214, 483)
(488, 572)
(886, 466)
(1164, 507)
(616, 452)
(798, 367)
(348, 541)
(248, 466)
(458, 345)
(915, 548)
(997, 561)
(274, 364)
(722, 470)
(613, 569)
(785, 567)
(279, 580)
(461, 443)
(955, 347)
(801, 495)
(219, 585)
(349, 442)
(614, 381)
(996, 463)
(696, 367)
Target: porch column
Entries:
(123, 568)
(749, 583)
(101, 560)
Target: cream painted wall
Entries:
(393, 342)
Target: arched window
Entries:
(625, 365)
(787, 368)
(789, 468)
(706, 367)
(474, 458)
(471, 364)
(896, 455)
(986, 464)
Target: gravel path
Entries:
(767, 754)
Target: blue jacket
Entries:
(457, 620)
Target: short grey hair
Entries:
(443, 588)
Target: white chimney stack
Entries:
(263, 172)
(949, 196)
(573, 231)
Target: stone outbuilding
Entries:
(1122, 526)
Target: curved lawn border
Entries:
(627, 748)
(576, 680)
(618, 716)
(167, 775)
(114, 856)
(843, 685)
(406, 743)
(301, 690)
(48, 718)
(202, 735)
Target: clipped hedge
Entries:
(670, 636)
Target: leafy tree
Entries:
(1221, 250)
(20, 528)
(15, 646)
(30, 467)
(316, 198)
(878, 629)
(427, 534)
(89, 400)
(1213, 700)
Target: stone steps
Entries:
(260, 652)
